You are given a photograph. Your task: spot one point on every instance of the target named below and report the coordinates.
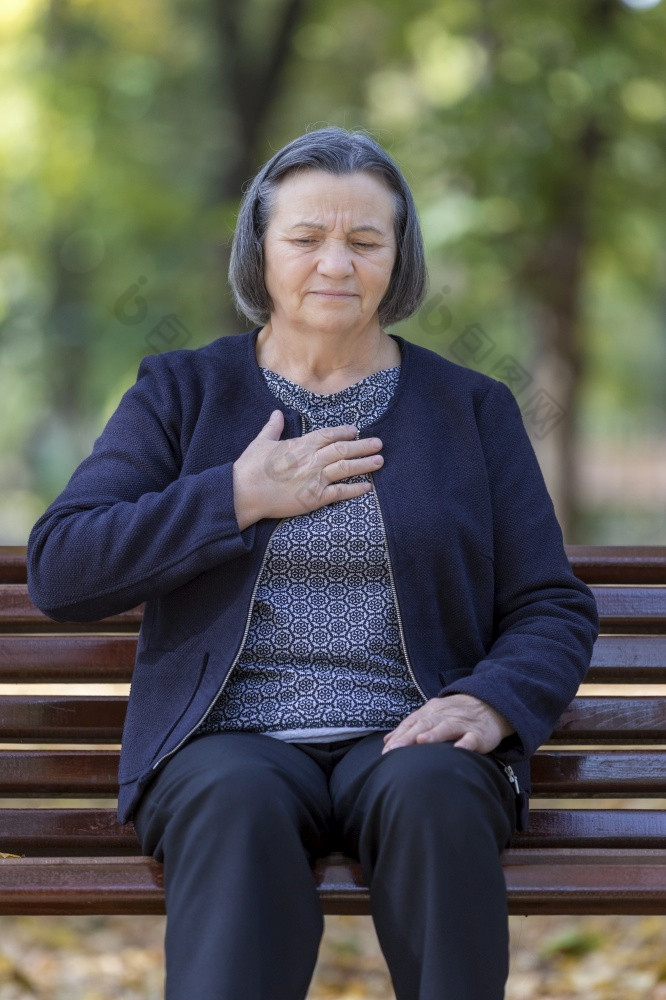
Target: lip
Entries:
(332, 295)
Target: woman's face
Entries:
(329, 250)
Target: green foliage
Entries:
(532, 135)
(574, 942)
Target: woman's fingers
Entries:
(347, 467)
(462, 719)
(276, 478)
(326, 456)
(341, 459)
(342, 491)
(407, 731)
(273, 427)
(325, 435)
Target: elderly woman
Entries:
(360, 620)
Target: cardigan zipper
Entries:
(235, 660)
(508, 770)
(241, 646)
(396, 604)
(511, 775)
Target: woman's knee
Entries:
(444, 786)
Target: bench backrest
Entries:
(64, 689)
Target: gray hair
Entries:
(338, 152)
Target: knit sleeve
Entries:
(545, 619)
(128, 526)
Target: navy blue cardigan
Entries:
(488, 602)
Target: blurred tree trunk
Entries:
(67, 341)
(552, 278)
(251, 76)
(253, 53)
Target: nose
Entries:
(335, 260)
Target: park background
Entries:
(534, 139)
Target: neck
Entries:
(324, 360)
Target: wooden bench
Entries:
(587, 850)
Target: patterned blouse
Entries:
(322, 658)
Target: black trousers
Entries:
(237, 818)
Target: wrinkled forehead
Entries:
(324, 199)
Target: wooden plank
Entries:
(78, 658)
(94, 832)
(631, 609)
(609, 773)
(591, 563)
(601, 719)
(538, 882)
(65, 832)
(85, 719)
(600, 828)
(635, 659)
(19, 614)
(13, 564)
(586, 881)
(632, 564)
(75, 773)
(51, 718)
(81, 657)
(44, 886)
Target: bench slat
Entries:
(59, 772)
(19, 614)
(110, 658)
(633, 609)
(73, 719)
(610, 773)
(636, 659)
(611, 719)
(543, 882)
(65, 831)
(84, 719)
(599, 828)
(621, 773)
(586, 881)
(74, 658)
(592, 563)
(645, 564)
(92, 832)
(13, 567)
(80, 886)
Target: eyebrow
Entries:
(365, 228)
